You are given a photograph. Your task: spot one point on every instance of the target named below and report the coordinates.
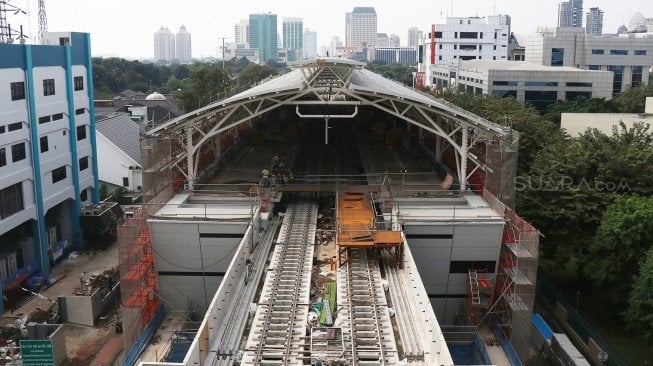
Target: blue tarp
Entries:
(542, 326)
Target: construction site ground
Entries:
(95, 346)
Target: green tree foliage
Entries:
(399, 72)
(580, 105)
(639, 316)
(633, 99)
(253, 73)
(622, 240)
(207, 83)
(573, 180)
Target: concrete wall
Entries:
(113, 165)
(433, 257)
(55, 333)
(81, 310)
(191, 259)
(578, 123)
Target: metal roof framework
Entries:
(335, 82)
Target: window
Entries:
(541, 83)
(640, 52)
(481, 35)
(44, 144)
(15, 126)
(440, 46)
(79, 83)
(540, 99)
(64, 41)
(57, 116)
(11, 200)
(468, 47)
(504, 83)
(455, 47)
(619, 52)
(3, 157)
(83, 195)
(48, 87)
(465, 266)
(18, 152)
(59, 174)
(468, 35)
(2, 129)
(597, 52)
(557, 56)
(79, 111)
(438, 34)
(125, 182)
(594, 67)
(83, 163)
(617, 81)
(81, 133)
(505, 93)
(440, 58)
(465, 58)
(495, 35)
(17, 90)
(44, 119)
(636, 75)
(583, 85)
(455, 34)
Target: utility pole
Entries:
(222, 38)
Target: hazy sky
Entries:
(125, 28)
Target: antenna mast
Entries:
(5, 33)
(43, 22)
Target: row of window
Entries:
(17, 153)
(18, 87)
(541, 83)
(465, 58)
(11, 127)
(598, 51)
(468, 35)
(58, 116)
(11, 200)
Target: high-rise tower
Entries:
(183, 46)
(263, 35)
(293, 37)
(164, 45)
(594, 24)
(361, 28)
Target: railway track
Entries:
(364, 309)
(276, 337)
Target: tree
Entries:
(639, 316)
(622, 240)
(104, 191)
(253, 73)
(632, 100)
(207, 83)
(580, 105)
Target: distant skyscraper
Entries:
(570, 13)
(183, 46)
(310, 44)
(164, 45)
(414, 36)
(382, 40)
(293, 37)
(263, 35)
(241, 31)
(594, 25)
(360, 28)
(333, 47)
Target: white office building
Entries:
(525, 81)
(241, 31)
(238, 50)
(361, 29)
(628, 56)
(414, 37)
(48, 159)
(310, 43)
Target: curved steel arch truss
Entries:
(335, 82)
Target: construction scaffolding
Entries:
(516, 280)
(138, 282)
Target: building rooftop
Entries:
(123, 132)
(485, 65)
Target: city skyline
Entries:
(133, 38)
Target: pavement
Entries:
(97, 345)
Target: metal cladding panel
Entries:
(475, 254)
(478, 236)
(79, 49)
(180, 291)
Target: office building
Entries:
(48, 164)
(594, 24)
(570, 13)
(241, 31)
(628, 56)
(361, 29)
(183, 46)
(293, 37)
(396, 55)
(414, 37)
(238, 50)
(394, 40)
(382, 40)
(263, 35)
(310, 44)
(164, 45)
(334, 45)
(525, 81)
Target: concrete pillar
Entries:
(189, 158)
(463, 159)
